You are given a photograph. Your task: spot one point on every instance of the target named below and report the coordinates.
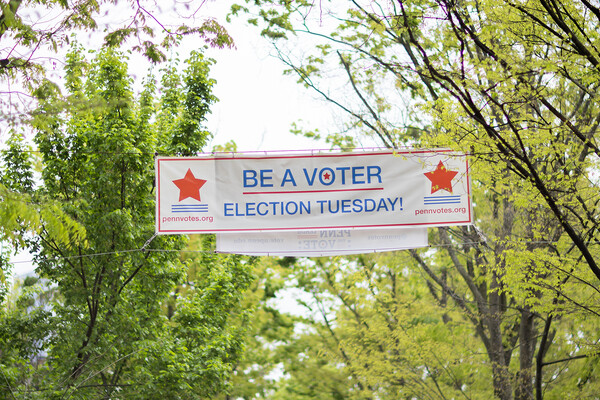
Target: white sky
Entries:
(257, 103)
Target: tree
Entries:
(31, 27)
(107, 333)
(373, 316)
(371, 330)
(24, 213)
(33, 36)
(24, 318)
(510, 76)
(257, 371)
(514, 85)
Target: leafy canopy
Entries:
(117, 323)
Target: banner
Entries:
(316, 243)
(239, 192)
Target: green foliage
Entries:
(24, 325)
(230, 146)
(198, 99)
(24, 29)
(515, 85)
(17, 170)
(256, 373)
(24, 213)
(184, 106)
(117, 325)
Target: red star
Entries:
(326, 176)
(189, 186)
(441, 178)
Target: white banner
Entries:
(317, 243)
(240, 192)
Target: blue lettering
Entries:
(356, 175)
(304, 207)
(337, 207)
(288, 177)
(228, 209)
(370, 201)
(321, 203)
(250, 209)
(346, 206)
(382, 205)
(262, 203)
(309, 180)
(264, 178)
(392, 204)
(373, 171)
(343, 170)
(357, 205)
(250, 175)
(237, 212)
(295, 208)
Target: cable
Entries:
(434, 246)
(108, 253)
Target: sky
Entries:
(257, 103)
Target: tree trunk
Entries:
(527, 340)
(496, 353)
(501, 374)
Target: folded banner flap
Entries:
(315, 243)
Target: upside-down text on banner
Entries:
(317, 243)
